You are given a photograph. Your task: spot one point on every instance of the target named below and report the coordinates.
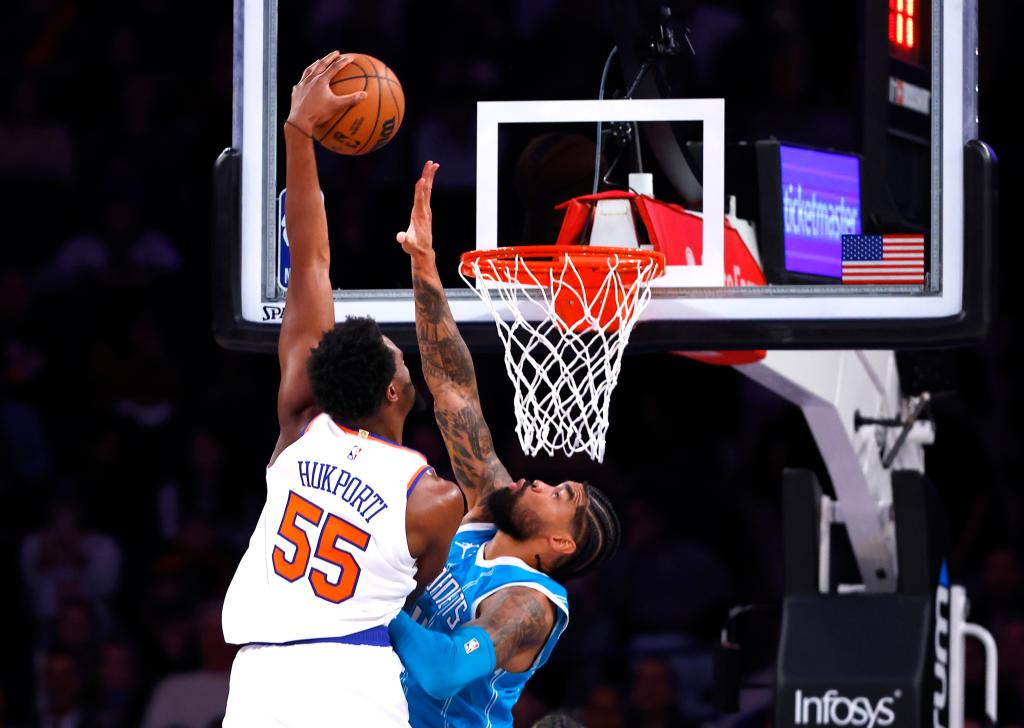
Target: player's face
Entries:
(554, 506)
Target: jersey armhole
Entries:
(309, 424)
(415, 479)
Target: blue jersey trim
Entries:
(416, 479)
(309, 424)
(373, 637)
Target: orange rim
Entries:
(591, 262)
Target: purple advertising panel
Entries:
(820, 204)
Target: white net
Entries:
(565, 362)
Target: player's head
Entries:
(572, 525)
(356, 372)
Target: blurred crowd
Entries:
(132, 449)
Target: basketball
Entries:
(371, 123)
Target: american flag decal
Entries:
(883, 259)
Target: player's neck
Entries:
(385, 427)
(504, 545)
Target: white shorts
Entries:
(319, 684)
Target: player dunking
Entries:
(492, 617)
(353, 521)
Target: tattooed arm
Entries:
(510, 632)
(447, 364)
(518, 620)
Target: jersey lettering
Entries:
(348, 487)
(335, 529)
(329, 556)
(449, 600)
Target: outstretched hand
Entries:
(313, 101)
(419, 238)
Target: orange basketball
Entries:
(371, 123)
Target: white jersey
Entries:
(329, 556)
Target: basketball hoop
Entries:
(564, 314)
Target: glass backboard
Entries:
(835, 147)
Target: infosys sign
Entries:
(820, 204)
(835, 708)
(918, 698)
(940, 668)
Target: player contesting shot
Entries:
(353, 521)
(492, 617)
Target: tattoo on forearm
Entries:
(467, 428)
(519, 621)
(438, 356)
(447, 363)
(445, 354)
(470, 447)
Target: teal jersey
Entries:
(452, 600)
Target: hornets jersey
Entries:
(452, 600)
(329, 556)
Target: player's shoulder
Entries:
(523, 605)
(434, 484)
(360, 439)
(395, 452)
(466, 542)
(476, 530)
(505, 572)
(292, 429)
(433, 494)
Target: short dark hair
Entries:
(597, 532)
(350, 369)
(557, 720)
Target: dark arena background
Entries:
(133, 447)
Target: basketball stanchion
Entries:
(564, 315)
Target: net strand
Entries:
(563, 371)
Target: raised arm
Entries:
(309, 310)
(447, 364)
